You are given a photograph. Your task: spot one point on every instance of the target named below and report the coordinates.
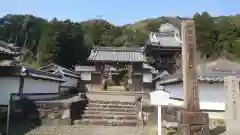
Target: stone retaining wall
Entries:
(49, 113)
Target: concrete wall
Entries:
(8, 85)
(40, 86)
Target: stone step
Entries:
(112, 102)
(110, 105)
(106, 122)
(116, 117)
(49, 122)
(111, 109)
(108, 112)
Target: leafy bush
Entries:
(219, 122)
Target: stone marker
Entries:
(232, 113)
(192, 121)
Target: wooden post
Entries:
(192, 121)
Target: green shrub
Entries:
(154, 131)
(218, 122)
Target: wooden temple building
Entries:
(109, 63)
(164, 48)
(119, 64)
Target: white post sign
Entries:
(159, 98)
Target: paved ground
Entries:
(83, 130)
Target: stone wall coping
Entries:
(119, 93)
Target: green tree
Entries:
(206, 34)
(64, 45)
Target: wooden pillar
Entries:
(192, 121)
(102, 68)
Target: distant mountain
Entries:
(216, 36)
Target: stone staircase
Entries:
(109, 113)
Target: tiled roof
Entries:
(162, 39)
(147, 66)
(118, 54)
(220, 65)
(161, 75)
(9, 49)
(150, 68)
(60, 70)
(111, 68)
(85, 68)
(211, 77)
(29, 72)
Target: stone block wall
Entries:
(150, 114)
(49, 112)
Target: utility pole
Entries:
(192, 121)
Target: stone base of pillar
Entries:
(193, 123)
(186, 129)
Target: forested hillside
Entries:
(66, 42)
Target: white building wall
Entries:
(157, 85)
(70, 82)
(86, 76)
(147, 77)
(8, 85)
(207, 92)
(40, 86)
(211, 95)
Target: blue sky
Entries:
(118, 12)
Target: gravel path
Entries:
(83, 130)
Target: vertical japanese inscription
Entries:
(189, 40)
(234, 94)
(191, 56)
(232, 87)
(190, 33)
(195, 92)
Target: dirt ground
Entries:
(26, 128)
(83, 130)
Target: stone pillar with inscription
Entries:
(232, 113)
(192, 121)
